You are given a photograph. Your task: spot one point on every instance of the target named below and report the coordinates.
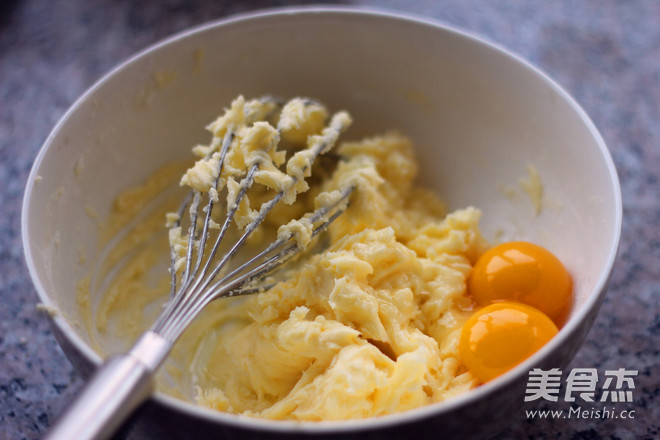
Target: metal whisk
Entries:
(124, 382)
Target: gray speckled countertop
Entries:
(605, 53)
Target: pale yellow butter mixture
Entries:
(367, 326)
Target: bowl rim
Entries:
(325, 427)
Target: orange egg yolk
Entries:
(522, 272)
(502, 335)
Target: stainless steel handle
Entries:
(117, 389)
(113, 393)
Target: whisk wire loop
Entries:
(203, 281)
(229, 285)
(228, 138)
(199, 282)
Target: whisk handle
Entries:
(113, 393)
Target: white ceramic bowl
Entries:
(477, 114)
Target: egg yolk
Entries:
(522, 272)
(502, 335)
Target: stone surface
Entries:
(605, 53)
